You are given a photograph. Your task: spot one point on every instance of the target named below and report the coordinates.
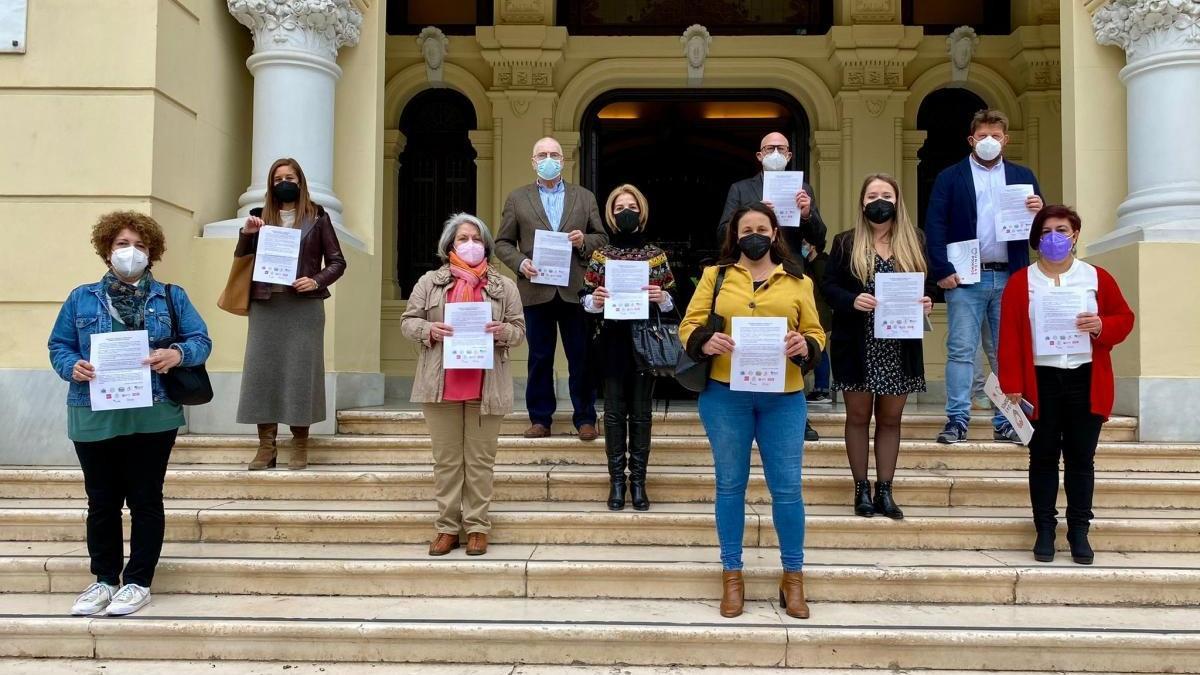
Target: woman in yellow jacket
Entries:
(756, 277)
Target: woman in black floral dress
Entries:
(876, 375)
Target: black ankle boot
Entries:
(616, 493)
(862, 499)
(1043, 548)
(884, 504)
(1081, 550)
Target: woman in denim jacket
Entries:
(124, 453)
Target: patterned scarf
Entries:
(468, 281)
(129, 301)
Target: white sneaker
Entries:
(128, 600)
(93, 600)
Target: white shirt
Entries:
(1080, 275)
(988, 183)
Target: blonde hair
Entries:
(907, 249)
(643, 206)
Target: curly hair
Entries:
(110, 225)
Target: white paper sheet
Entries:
(1055, 311)
(964, 255)
(759, 360)
(470, 346)
(277, 256)
(13, 18)
(121, 380)
(899, 314)
(1013, 218)
(624, 280)
(1011, 411)
(552, 258)
(780, 188)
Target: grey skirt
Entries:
(283, 377)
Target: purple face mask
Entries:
(1055, 246)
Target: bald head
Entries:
(547, 145)
(773, 138)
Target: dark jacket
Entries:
(951, 215)
(750, 190)
(321, 257)
(848, 340)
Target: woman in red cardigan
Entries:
(1067, 380)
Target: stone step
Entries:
(925, 528)
(184, 667)
(641, 632)
(681, 451)
(570, 482)
(639, 572)
(827, 420)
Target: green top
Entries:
(86, 426)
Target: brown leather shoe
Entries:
(537, 431)
(733, 594)
(587, 432)
(299, 458)
(791, 595)
(477, 543)
(443, 543)
(268, 451)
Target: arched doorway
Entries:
(945, 115)
(436, 177)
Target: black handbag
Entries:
(656, 345)
(691, 374)
(185, 385)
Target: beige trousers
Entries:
(464, 454)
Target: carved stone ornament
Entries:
(1146, 27)
(961, 45)
(695, 41)
(873, 11)
(873, 75)
(523, 11)
(319, 26)
(433, 44)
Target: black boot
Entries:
(810, 434)
(1043, 548)
(614, 447)
(884, 504)
(1081, 550)
(862, 499)
(639, 460)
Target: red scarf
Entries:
(465, 385)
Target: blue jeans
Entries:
(821, 372)
(967, 307)
(733, 420)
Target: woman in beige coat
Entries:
(463, 406)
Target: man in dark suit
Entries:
(775, 154)
(552, 204)
(963, 206)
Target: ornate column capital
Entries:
(319, 26)
(1148, 27)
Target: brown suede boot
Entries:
(733, 595)
(267, 451)
(791, 595)
(299, 458)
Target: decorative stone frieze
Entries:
(322, 26)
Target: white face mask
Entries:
(988, 149)
(775, 161)
(129, 262)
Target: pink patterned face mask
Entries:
(471, 252)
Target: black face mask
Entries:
(880, 211)
(627, 221)
(285, 192)
(755, 246)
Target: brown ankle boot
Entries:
(733, 595)
(299, 458)
(791, 595)
(267, 451)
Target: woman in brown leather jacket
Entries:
(283, 378)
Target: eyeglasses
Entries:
(768, 149)
(550, 155)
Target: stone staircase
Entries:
(325, 570)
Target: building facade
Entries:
(398, 120)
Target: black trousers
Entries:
(118, 471)
(1065, 428)
(543, 324)
(628, 404)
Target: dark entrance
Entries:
(946, 115)
(683, 150)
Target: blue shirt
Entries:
(552, 201)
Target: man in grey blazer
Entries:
(774, 154)
(552, 204)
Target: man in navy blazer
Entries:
(963, 206)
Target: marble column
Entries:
(1161, 39)
(295, 71)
